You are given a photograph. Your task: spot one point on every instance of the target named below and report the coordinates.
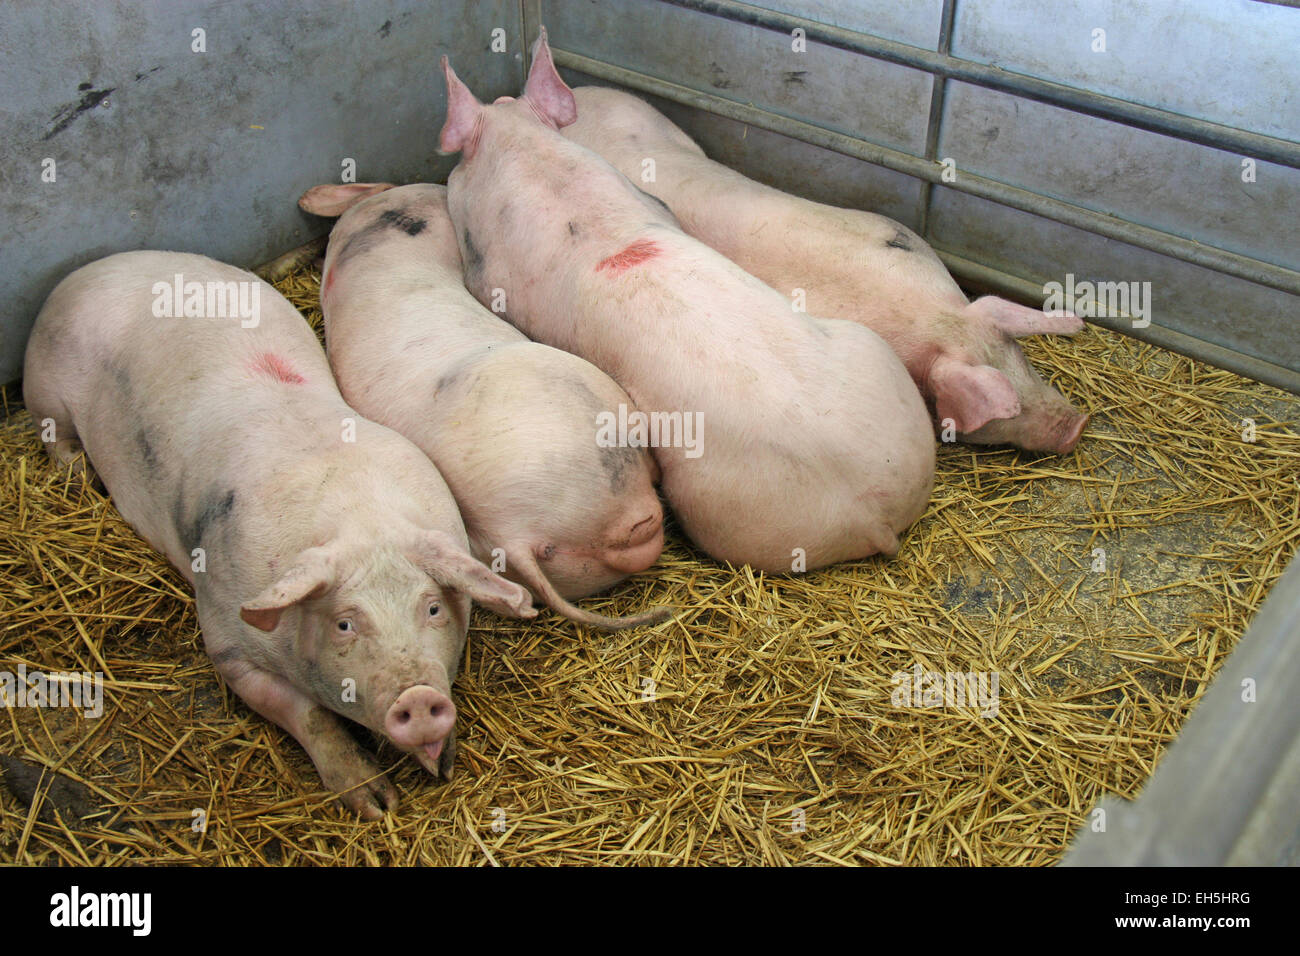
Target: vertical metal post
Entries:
(530, 18)
(938, 90)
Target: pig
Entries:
(330, 567)
(851, 265)
(813, 447)
(510, 424)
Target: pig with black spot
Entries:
(330, 565)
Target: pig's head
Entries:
(376, 634)
(546, 97)
(981, 380)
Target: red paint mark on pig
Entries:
(640, 251)
(268, 363)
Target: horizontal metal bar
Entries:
(1112, 227)
(1028, 290)
(1268, 148)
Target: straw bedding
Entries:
(760, 725)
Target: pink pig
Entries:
(852, 265)
(510, 424)
(816, 446)
(330, 567)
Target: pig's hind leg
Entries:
(57, 434)
(44, 384)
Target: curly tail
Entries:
(528, 569)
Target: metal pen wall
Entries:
(124, 129)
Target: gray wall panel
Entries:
(789, 164)
(1184, 188)
(882, 102)
(915, 22)
(172, 158)
(1236, 314)
(1227, 61)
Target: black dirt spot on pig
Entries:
(411, 225)
(899, 241)
(620, 465)
(64, 117)
(446, 381)
(72, 800)
(658, 204)
(473, 257)
(141, 76)
(390, 219)
(214, 509)
(82, 87)
(384, 30)
(122, 377)
(148, 453)
(793, 76)
(221, 658)
(573, 228)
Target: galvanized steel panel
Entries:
(157, 146)
(915, 22)
(1230, 312)
(789, 164)
(885, 103)
(1227, 61)
(1183, 188)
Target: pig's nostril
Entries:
(419, 716)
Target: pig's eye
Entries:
(435, 609)
(345, 626)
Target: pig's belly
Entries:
(772, 517)
(777, 503)
(836, 487)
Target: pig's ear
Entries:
(1020, 320)
(334, 199)
(311, 574)
(463, 113)
(452, 566)
(545, 90)
(972, 395)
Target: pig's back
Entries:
(161, 404)
(849, 263)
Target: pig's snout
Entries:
(641, 547)
(1070, 433)
(421, 718)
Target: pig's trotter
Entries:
(341, 762)
(69, 453)
(356, 776)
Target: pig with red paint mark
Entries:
(817, 446)
(511, 424)
(851, 265)
(329, 563)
